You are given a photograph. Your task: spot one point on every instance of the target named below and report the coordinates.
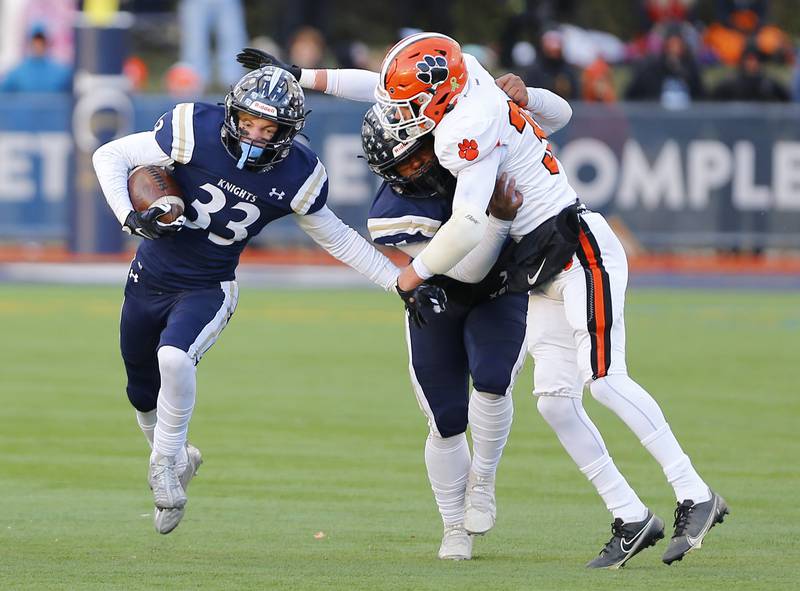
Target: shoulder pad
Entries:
(394, 219)
(313, 193)
(175, 132)
(465, 139)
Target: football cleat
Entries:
(480, 511)
(692, 522)
(456, 544)
(627, 540)
(166, 520)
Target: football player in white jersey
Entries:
(568, 257)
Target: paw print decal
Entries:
(432, 70)
(468, 149)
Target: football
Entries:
(154, 185)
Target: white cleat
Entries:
(480, 509)
(167, 490)
(168, 519)
(456, 544)
(169, 481)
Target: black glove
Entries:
(428, 296)
(146, 224)
(253, 59)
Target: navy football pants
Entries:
(188, 320)
(485, 341)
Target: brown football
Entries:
(151, 185)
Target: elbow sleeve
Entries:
(462, 232)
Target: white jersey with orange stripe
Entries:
(485, 126)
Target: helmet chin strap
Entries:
(251, 152)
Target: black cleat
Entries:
(692, 522)
(628, 540)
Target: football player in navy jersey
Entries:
(577, 275)
(239, 168)
(481, 335)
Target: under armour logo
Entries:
(276, 193)
(134, 276)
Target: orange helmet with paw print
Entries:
(421, 77)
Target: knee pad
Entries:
(556, 409)
(142, 397)
(451, 420)
(174, 361)
(143, 385)
(605, 388)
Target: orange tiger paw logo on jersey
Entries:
(468, 149)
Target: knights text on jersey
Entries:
(485, 118)
(225, 206)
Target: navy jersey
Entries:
(225, 206)
(395, 219)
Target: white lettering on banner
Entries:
(55, 149)
(709, 165)
(747, 196)
(651, 184)
(347, 174)
(786, 175)
(18, 179)
(594, 153)
(16, 168)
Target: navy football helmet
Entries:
(269, 93)
(384, 154)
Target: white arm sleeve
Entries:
(347, 245)
(467, 225)
(355, 85)
(114, 160)
(552, 112)
(473, 267)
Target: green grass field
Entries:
(308, 424)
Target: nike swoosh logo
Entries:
(532, 280)
(628, 545)
(695, 542)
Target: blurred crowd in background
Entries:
(670, 51)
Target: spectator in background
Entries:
(307, 48)
(18, 17)
(672, 77)
(197, 18)
(551, 71)
(741, 21)
(796, 81)
(38, 72)
(751, 82)
(597, 83)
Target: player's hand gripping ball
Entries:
(157, 202)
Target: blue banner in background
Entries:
(724, 176)
(35, 157)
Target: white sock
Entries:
(147, 423)
(641, 413)
(617, 494)
(448, 463)
(175, 401)
(584, 444)
(489, 422)
(679, 472)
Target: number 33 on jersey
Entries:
(225, 206)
